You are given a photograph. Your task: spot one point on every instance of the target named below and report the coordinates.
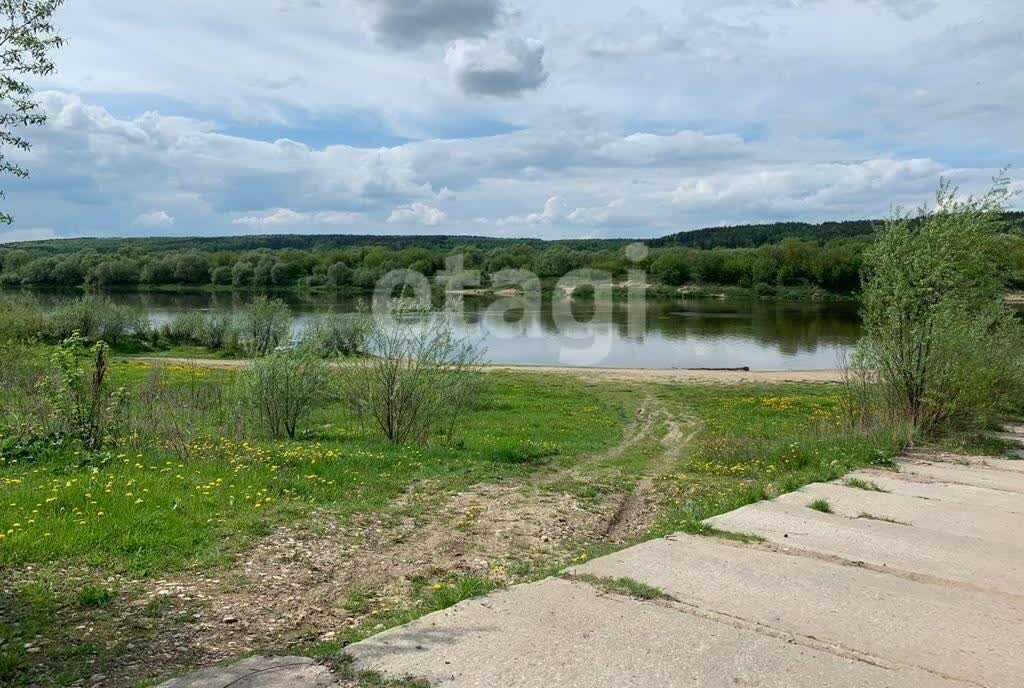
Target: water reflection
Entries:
(677, 334)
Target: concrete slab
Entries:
(1009, 437)
(999, 463)
(561, 634)
(914, 551)
(980, 520)
(962, 634)
(979, 476)
(259, 672)
(900, 484)
(829, 600)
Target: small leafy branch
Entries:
(27, 39)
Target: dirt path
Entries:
(602, 374)
(315, 580)
(640, 506)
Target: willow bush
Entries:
(283, 387)
(418, 381)
(941, 349)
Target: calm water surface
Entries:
(763, 335)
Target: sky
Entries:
(515, 118)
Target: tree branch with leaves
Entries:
(28, 38)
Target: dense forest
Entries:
(764, 257)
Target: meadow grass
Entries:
(759, 441)
(147, 513)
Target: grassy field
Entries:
(546, 470)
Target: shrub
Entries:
(220, 331)
(24, 412)
(419, 381)
(264, 325)
(584, 292)
(86, 405)
(21, 317)
(283, 387)
(95, 596)
(185, 327)
(337, 335)
(940, 349)
(95, 318)
(215, 330)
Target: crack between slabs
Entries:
(789, 637)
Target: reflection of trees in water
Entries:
(789, 327)
(299, 302)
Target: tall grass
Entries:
(23, 318)
(754, 446)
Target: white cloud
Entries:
(638, 33)
(285, 217)
(553, 211)
(417, 213)
(651, 149)
(868, 188)
(155, 218)
(498, 66)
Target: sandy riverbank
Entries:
(604, 374)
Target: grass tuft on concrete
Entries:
(629, 587)
(821, 505)
(886, 519)
(861, 484)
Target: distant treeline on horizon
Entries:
(762, 256)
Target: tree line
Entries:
(356, 262)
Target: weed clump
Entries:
(821, 505)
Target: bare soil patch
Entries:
(317, 580)
(303, 585)
(638, 509)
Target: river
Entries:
(685, 333)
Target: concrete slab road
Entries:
(916, 582)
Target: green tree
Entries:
(159, 271)
(27, 39)
(221, 275)
(945, 351)
(116, 272)
(284, 274)
(672, 266)
(242, 274)
(339, 274)
(556, 261)
(192, 268)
